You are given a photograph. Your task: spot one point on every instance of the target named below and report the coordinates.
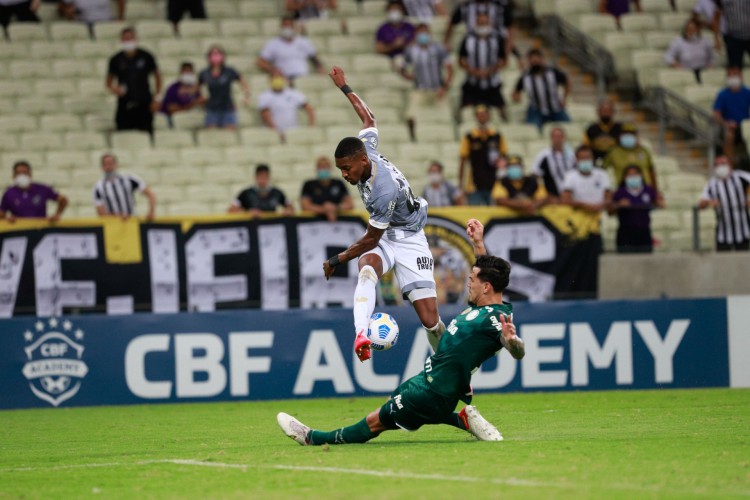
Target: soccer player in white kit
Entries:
(394, 239)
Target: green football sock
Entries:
(357, 433)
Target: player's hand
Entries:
(328, 269)
(475, 231)
(338, 77)
(509, 329)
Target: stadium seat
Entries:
(647, 58)
(639, 21)
(181, 175)
(260, 10)
(60, 123)
(261, 136)
(8, 106)
(520, 133)
(67, 31)
(650, 6)
(99, 122)
(109, 31)
(702, 95)
(84, 141)
(14, 51)
(224, 175)
(157, 158)
(568, 8)
(198, 28)
(9, 142)
(174, 139)
(66, 160)
(13, 88)
(41, 50)
(38, 105)
(25, 32)
(239, 27)
(72, 68)
(351, 44)
(179, 48)
(666, 219)
(17, 123)
(435, 133)
(200, 156)
(58, 179)
(144, 10)
(270, 27)
(80, 105)
(597, 24)
(283, 154)
(167, 192)
(189, 120)
(33, 157)
(304, 136)
(41, 141)
(100, 49)
(672, 21)
(675, 79)
(243, 156)
(217, 138)
(130, 139)
(659, 40)
(316, 27)
(234, 47)
(28, 69)
(208, 193)
(223, 9)
(54, 88)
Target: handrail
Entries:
(585, 51)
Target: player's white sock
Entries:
(434, 333)
(364, 298)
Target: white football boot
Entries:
(293, 428)
(478, 426)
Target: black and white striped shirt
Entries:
(427, 63)
(116, 195)
(737, 16)
(732, 219)
(482, 53)
(542, 89)
(499, 11)
(420, 9)
(551, 166)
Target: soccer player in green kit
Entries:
(431, 397)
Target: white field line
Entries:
(510, 481)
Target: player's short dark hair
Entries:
(493, 270)
(534, 52)
(349, 146)
(262, 168)
(582, 148)
(21, 163)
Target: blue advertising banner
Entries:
(258, 355)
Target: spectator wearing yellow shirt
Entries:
(482, 148)
(629, 152)
(523, 193)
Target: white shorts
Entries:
(413, 263)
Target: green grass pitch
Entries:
(629, 444)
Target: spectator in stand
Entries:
(439, 192)
(309, 9)
(131, 69)
(29, 199)
(690, 50)
(736, 13)
(727, 192)
(552, 163)
(523, 193)
(425, 10)
(324, 195)
(279, 105)
(482, 148)
(91, 11)
(395, 34)
(428, 64)
(633, 202)
(482, 56)
(731, 108)
(288, 53)
(177, 8)
(703, 13)
(630, 152)
(617, 8)
(114, 194)
(541, 84)
(218, 77)
(182, 95)
(22, 10)
(604, 134)
(500, 13)
(262, 197)
(587, 188)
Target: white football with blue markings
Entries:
(383, 331)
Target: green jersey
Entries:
(472, 338)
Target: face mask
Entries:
(722, 171)
(129, 46)
(585, 166)
(483, 30)
(216, 58)
(188, 79)
(395, 16)
(324, 174)
(734, 82)
(627, 141)
(278, 83)
(606, 119)
(515, 172)
(287, 33)
(423, 38)
(634, 182)
(23, 181)
(536, 68)
(500, 173)
(435, 177)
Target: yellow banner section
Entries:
(122, 239)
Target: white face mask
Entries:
(287, 33)
(23, 181)
(395, 16)
(188, 79)
(435, 177)
(722, 171)
(129, 46)
(734, 82)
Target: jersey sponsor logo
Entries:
(472, 315)
(391, 208)
(496, 323)
(424, 263)
(397, 400)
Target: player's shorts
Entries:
(421, 101)
(413, 404)
(413, 263)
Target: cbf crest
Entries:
(54, 366)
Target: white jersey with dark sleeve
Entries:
(387, 195)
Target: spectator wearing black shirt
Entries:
(22, 10)
(128, 79)
(541, 84)
(499, 12)
(262, 197)
(177, 8)
(323, 195)
(605, 133)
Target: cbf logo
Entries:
(54, 368)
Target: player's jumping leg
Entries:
(370, 270)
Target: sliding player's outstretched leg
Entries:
(370, 270)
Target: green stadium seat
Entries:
(60, 123)
(519, 132)
(217, 138)
(145, 11)
(351, 45)
(226, 175)
(650, 6)
(182, 175)
(28, 69)
(72, 68)
(168, 193)
(130, 140)
(594, 24)
(239, 27)
(270, 27)
(659, 40)
(109, 31)
(317, 27)
(14, 51)
(370, 9)
(41, 141)
(66, 160)
(223, 9)
(702, 95)
(208, 192)
(9, 142)
(198, 28)
(189, 120)
(304, 136)
(675, 79)
(201, 156)
(24, 32)
(35, 158)
(54, 88)
(38, 105)
(179, 48)
(18, 123)
(568, 8)
(260, 136)
(65, 30)
(673, 21)
(666, 219)
(366, 25)
(174, 139)
(259, 10)
(50, 50)
(233, 46)
(685, 6)
(88, 140)
(159, 158)
(639, 22)
(648, 58)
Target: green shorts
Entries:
(413, 404)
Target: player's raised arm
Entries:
(475, 231)
(364, 113)
(510, 340)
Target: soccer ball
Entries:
(383, 331)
